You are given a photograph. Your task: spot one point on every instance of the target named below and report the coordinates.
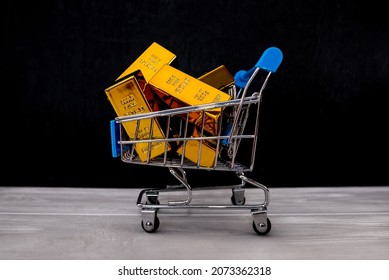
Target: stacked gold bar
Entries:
(150, 83)
(192, 91)
(127, 97)
(150, 61)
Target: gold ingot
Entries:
(186, 88)
(206, 157)
(178, 89)
(150, 61)
(127, 98)
(219, 78)
(208, 121)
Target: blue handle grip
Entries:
(269, 61)
(115, 148)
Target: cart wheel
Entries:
(257, 229)
(149, 226)
(239, 202)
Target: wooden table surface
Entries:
(85, 223)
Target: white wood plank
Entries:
(307, 223)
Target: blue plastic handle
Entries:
(269, 61)
(115, 148)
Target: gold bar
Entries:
(150, 61)
(178, 89)
(207, 154)
(127, 98)
(210, 123)
(223, 80)
(219, 78)
(186, 88)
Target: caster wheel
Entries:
(257, 229)
(149, 226)
(240, 202)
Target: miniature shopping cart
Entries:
(237, 129)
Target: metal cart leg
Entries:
(150, 222)
(181, 176)
(261, 223)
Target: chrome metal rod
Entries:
(187, 109)
(182, 178)
(258, 185)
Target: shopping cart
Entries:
(234, 131)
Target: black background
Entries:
(324, 119)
